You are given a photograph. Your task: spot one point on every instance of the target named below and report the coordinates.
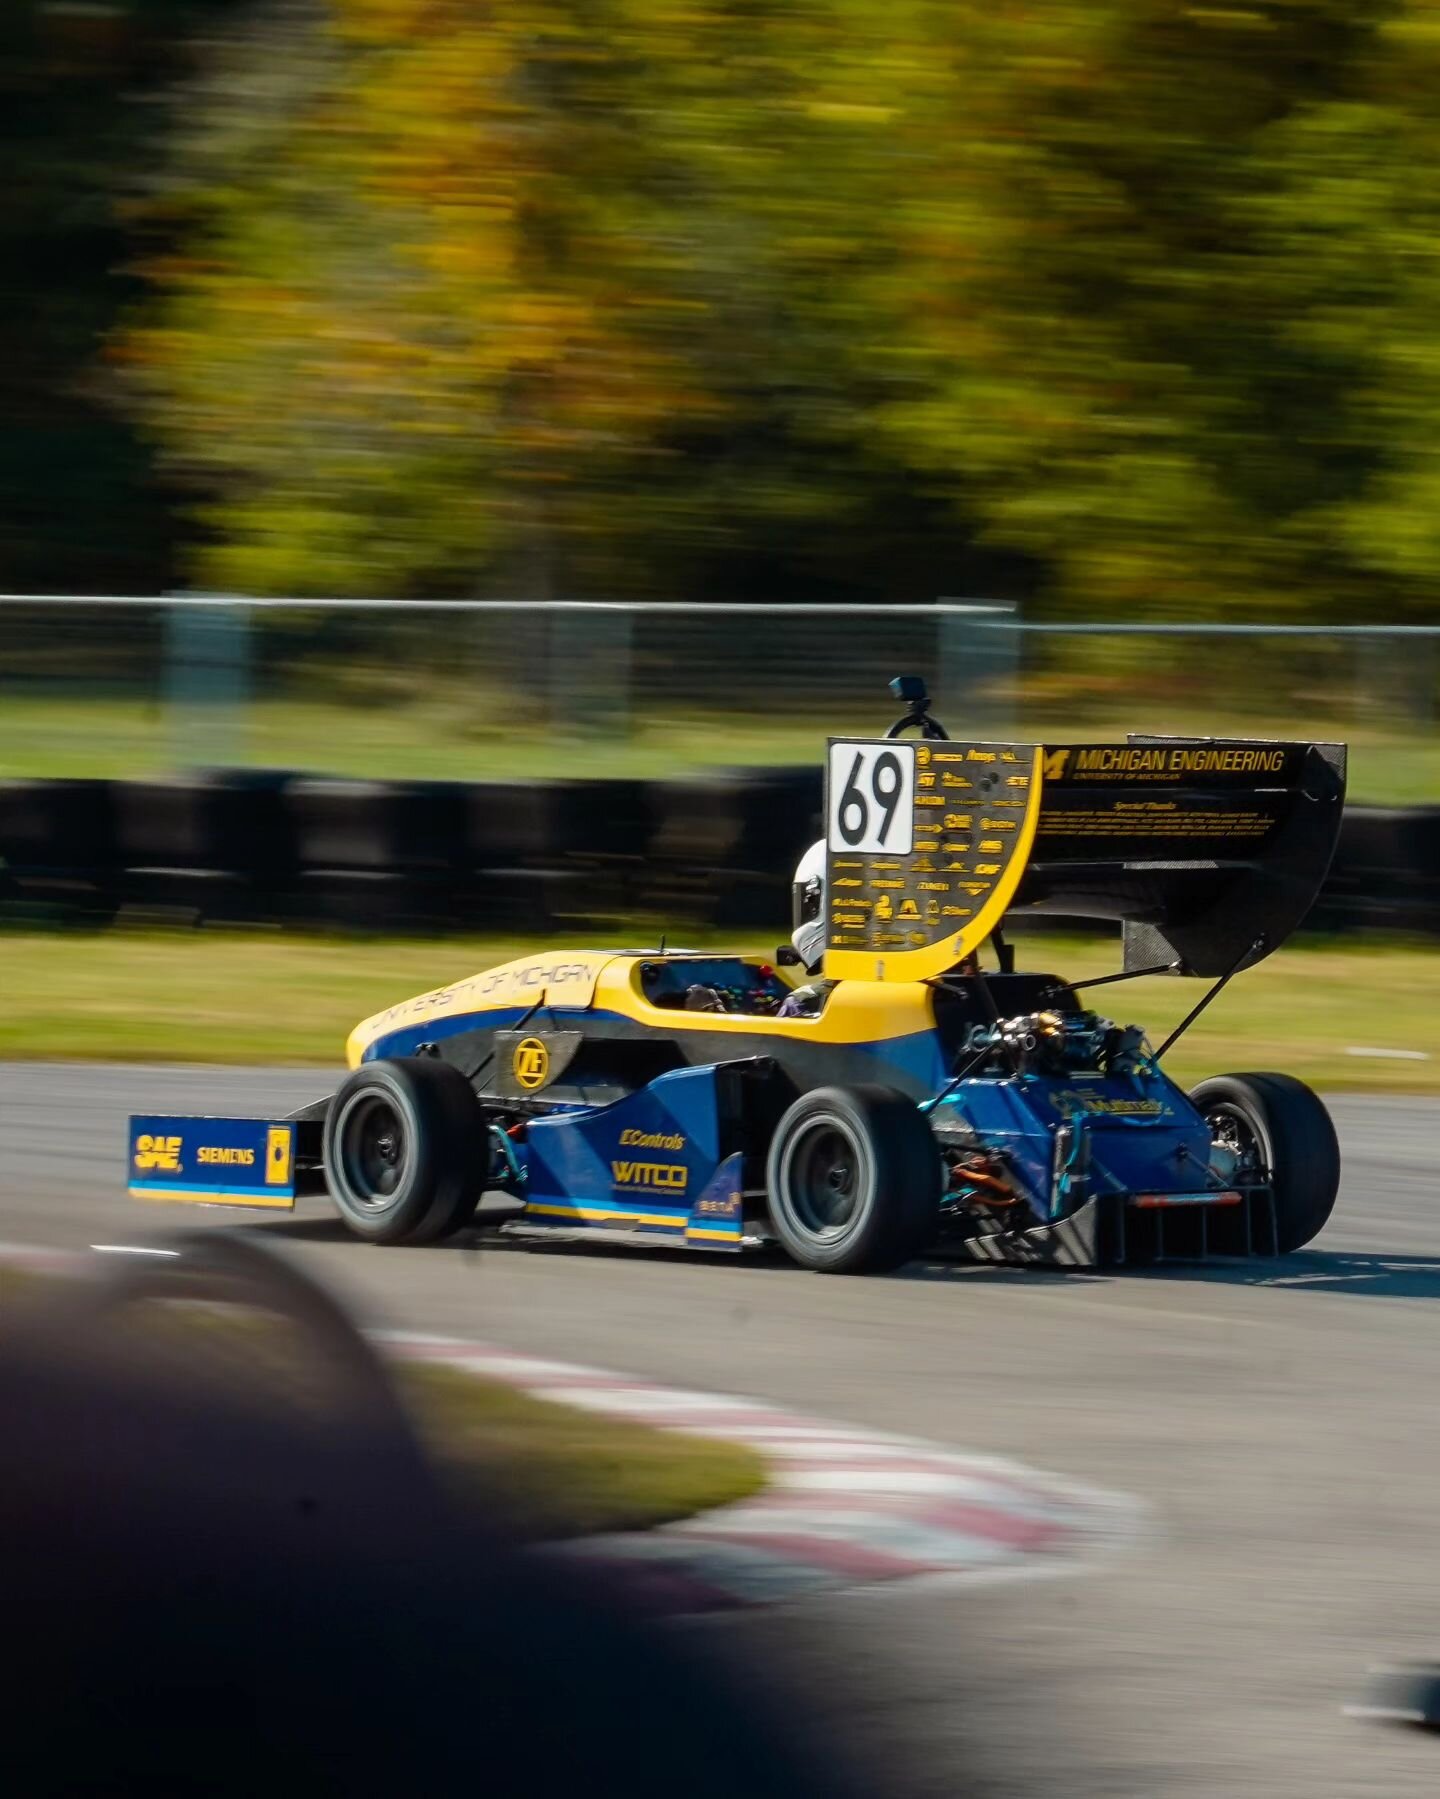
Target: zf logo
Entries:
(532, 1062)
(670, 1176)
(158, 1153)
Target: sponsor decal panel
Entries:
(240, 1160)
(1075, 1099)
(633, 1139)
(657, 1177)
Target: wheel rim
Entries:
(372, 1144)
(823, 1179)
(1229, 1125)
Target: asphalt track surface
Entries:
(1278, 1419)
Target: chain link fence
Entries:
(104, 686)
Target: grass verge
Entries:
(468, 734)
(558, 1471)
(236, 997)
(553, 1471)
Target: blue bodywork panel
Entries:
(652, 1162)
(649, 1162)
(404, 1040)
(1144, 1136)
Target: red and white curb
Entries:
(843, 1508)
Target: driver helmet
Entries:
(807, 907)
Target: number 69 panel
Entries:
(926, 843)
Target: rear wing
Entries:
(1209, 851)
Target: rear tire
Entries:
(1292, 1137)
(853, 1180)
(404, 1150)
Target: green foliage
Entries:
(556, 299)
(1126, 304)
(1134, 348)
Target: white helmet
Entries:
(807, 907)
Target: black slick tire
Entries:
(853, 1180)
(404, 1150)
(1293, 1138)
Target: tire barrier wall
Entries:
(716, 850)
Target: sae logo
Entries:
(157, 1153)
(531, 1063)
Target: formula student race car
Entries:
(907, 1101)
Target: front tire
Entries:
(1282, 1126)
(853, 1180)
(404, 1151)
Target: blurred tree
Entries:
(639, 297)
(78, 504)
(1130, 346)
(1351, 222)
(558, 297)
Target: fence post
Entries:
(207, 678)
(589, 660)
(1413, 664)
(979, 667)
(1393, 680)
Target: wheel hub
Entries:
(372, 1151)
(822, 1181)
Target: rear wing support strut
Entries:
(1251, 953)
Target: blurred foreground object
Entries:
(1402, 1693)
(228, 1566)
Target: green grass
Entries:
(213, 996)
(558, 1471)
(236, 997)
(463, 735)
(468, 738)
(552, 1471)
(1300, 1011)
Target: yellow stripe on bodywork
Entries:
(911, 965)
(281, 1202)
(676, 1221)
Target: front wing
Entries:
(214, 1161)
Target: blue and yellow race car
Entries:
(893, 1096)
